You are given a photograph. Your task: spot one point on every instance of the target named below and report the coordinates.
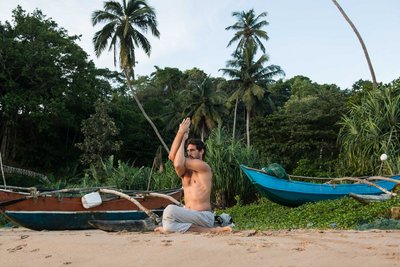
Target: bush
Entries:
(224, 157)
(343, 213)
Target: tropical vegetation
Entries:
(84, 126)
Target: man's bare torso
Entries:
(197, 190)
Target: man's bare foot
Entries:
(220, 230)
(215, 230)
(160, 230)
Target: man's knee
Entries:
(169, 212)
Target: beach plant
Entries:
(166, 178)
(372, 128)
(120, 175)
(343, 213)
(224, 156)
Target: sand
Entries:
(23, 247)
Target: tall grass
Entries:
(224, 156)
(127, 177)
(165, 179)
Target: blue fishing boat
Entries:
(294, 193)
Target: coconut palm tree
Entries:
(253, 78)
(126, 24)
(205, 106)
(353, 27)
(248, 29)
(370, 129)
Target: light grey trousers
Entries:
(180, 219)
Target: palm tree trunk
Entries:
(126, 72)
(371, 69)
(248, 127)
(234, 120)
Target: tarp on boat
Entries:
(276, 170)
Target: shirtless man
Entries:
(196, 177)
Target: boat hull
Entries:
(294, 193)
(70, 220)
(66, 212)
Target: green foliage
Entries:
(370, 129)
(47, 86)
(304, 128)
(249, 29)
(316, 168)
(99, 131)
(252, 79)
(125, 26)
(166, 178)
(122, 176)
(224, 157)
(205, 106)
(127, 177)
(21, 180)
(343, 213)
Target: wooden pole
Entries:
(2, 172)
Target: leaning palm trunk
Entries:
(248, 127)
(234, 119)
(127, 72)
(202, 133)
(375, 85)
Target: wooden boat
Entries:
(295, 193)
(370, 198)
(63, 209)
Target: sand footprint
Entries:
(19, 247)
(167, 242)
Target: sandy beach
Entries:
(23, 247)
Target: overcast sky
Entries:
(307, 37)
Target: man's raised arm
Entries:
(177, 152)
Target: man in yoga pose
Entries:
(196, 176)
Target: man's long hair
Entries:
(199, 145)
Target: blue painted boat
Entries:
(64, 211)
(295, 193)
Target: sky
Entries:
(306, 37)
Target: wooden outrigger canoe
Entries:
(63, 209)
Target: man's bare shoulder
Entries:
(197, 165)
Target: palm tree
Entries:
(252, 77)
(353, 27)
(205, 106)
(124, 30)
(248, 29)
